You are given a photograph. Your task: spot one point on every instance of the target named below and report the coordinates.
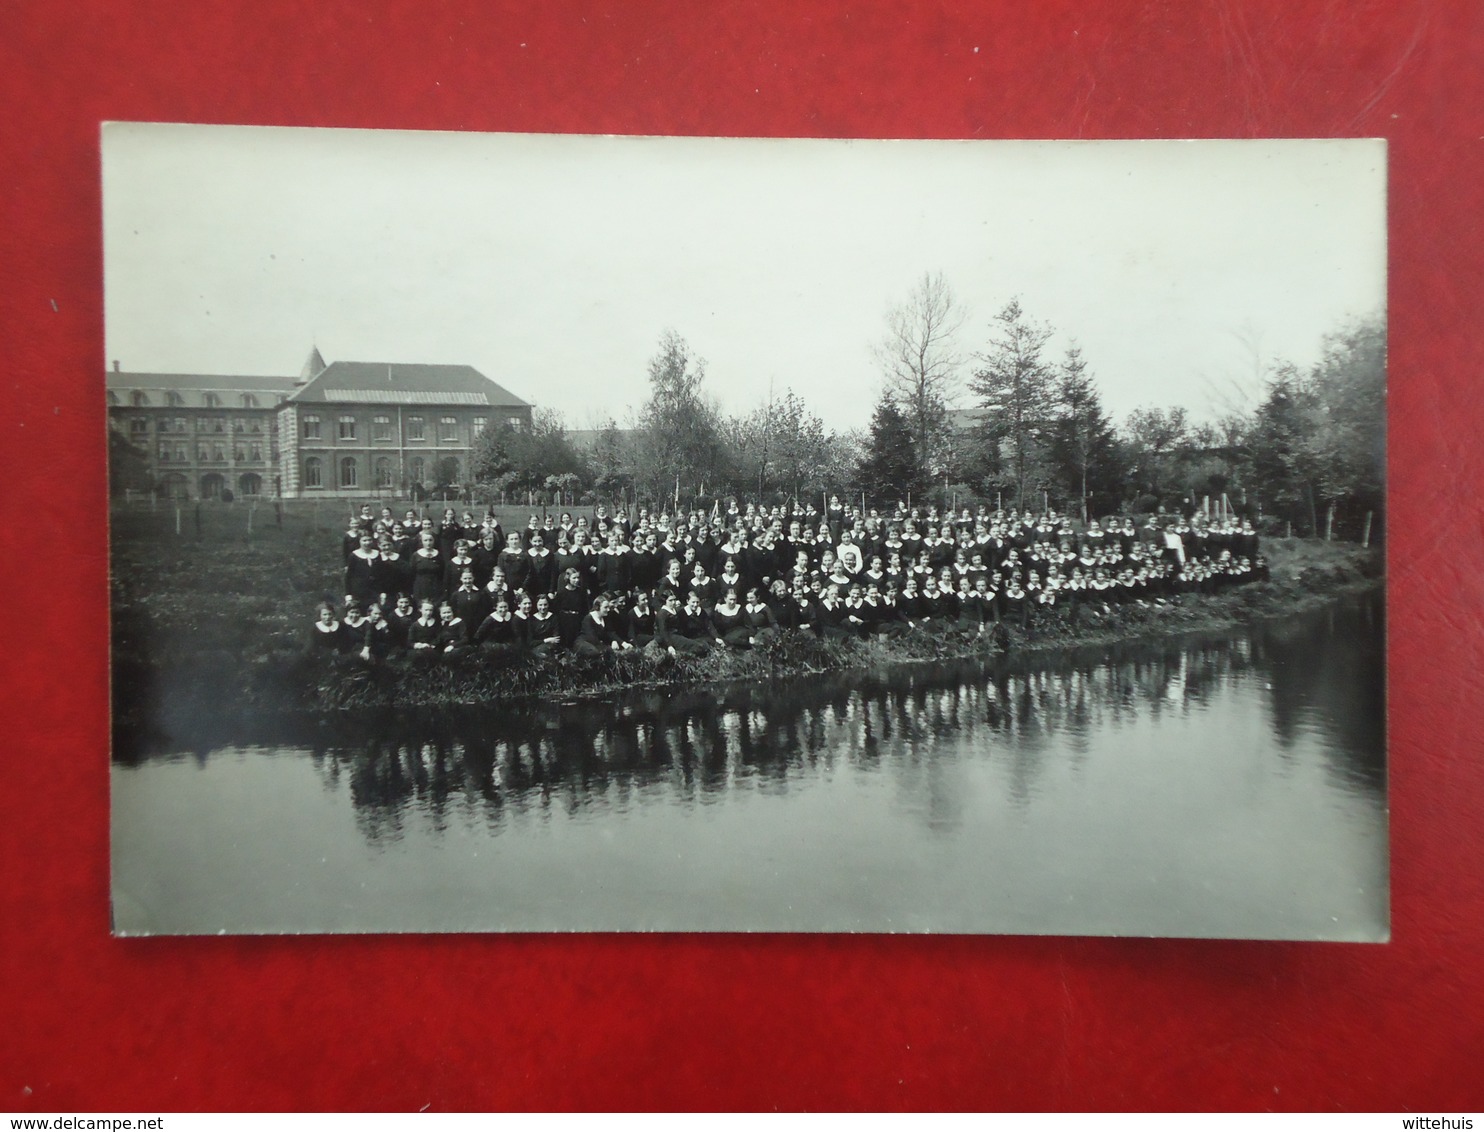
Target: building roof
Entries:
(314, 365)
(192, 388)
(390, 383)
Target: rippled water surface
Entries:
(1232, 786)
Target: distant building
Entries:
(343, 429)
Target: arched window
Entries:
(213, 401)
(312, 475)
(383, 472)
(249, 402)
(415, 469)
(138, 399)
(113, 398)
(174, 399)
(250, 484)
(348, 472)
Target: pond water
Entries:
(1230, 786)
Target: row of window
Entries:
(139, 426)
(141, 400)
(415, 428)
(252, 453)
(176, 485)
(383, 471)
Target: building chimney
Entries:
(115, 365)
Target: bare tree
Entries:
(920, 359)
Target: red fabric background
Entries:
(87, 1022)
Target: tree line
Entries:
(1016, 421)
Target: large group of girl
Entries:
(683, 584)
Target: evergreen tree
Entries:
(889, 469)
(1083, 446)
(1015, 385)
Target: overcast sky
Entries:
(553, 264)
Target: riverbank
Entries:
(212, 632)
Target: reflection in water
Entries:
(1318, 675)
(1222, 786)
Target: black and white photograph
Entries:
(537, 533)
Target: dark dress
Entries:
(330, 641)
(427, 576)
(614, 571)
(733, 628)
(362, 575)
(571, 606)
(421, 633)
(471, 605)
(453, 573)
(392, 577)
(513, 562)
(596, 637)
(493, 631)
(541, 573)
(640, 627)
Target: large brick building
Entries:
(343, 429)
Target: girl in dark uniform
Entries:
(701, 586)
(453, 632)
(453, 571)
(572, 604)
(422, 635)
(399, 620)
(427, 570)
(498, 629)
(512, 560)
(693, 624)
(392, 575)
(730, 622)
(545, 636)
(541, 577)
(363, 571)
(597, 637)
(760, 618)
(326, 638)
(469, 601)
(829, 616)
(639, 621)
(449, 533)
